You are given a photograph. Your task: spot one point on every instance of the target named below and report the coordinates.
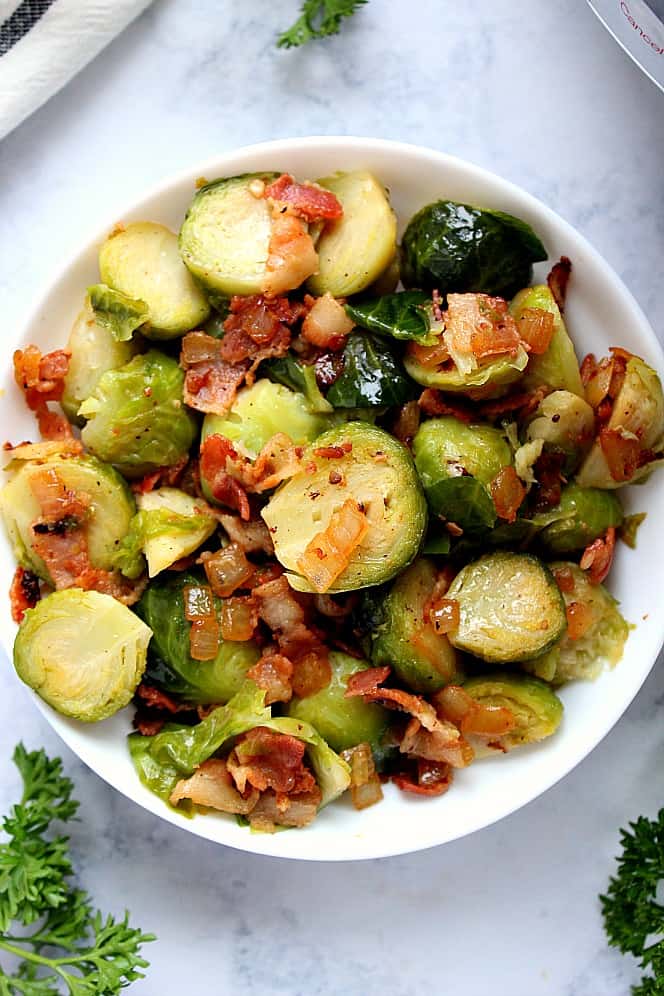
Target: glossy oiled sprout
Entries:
(582, 515)
(535, 708)
(558, 367)
(565, 423)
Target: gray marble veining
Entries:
(539, 93)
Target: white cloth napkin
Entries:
(43, 43)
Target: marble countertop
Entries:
(538, 92)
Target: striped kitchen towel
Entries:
(43, 43)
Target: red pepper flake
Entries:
(333, 452)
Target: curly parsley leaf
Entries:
(318, 19)
(89, 955)
(633, 918)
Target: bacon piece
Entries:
(264, 759)
(291, 256)
(558, 279)
(564, 579)
(328, 554)
(598, 556)
(252, 536)
(535, 327)
(308, 200)
(40, 377)
(215, 451)
(548, 472)
(364, 682)
(579, 619)
(274, 810)
(156, 698)
(273, 673)
(278, 460)
(587, 368)
(479, 327)
(432, 778)
(433, 402)
(326, 324)
(163, 477)
(281, 611)
(523, 402)
(24, 593)
(212, 786)
(278, 606)
(210, 382)
(54, 426)
(147, 726)
(258, 328)
(508, 493)
(57, 504)
(622, 451)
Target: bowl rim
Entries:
(270, 845)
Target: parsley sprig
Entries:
(318, 19)
(633, 918)
(70, 948)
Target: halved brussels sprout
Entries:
(456, 247)
(82, 652)
(488, 380)
(638, 414)
(404, 638)
(456, 464)
(299, 377)
(558, 367)
(94, 350)
(536, 708)
(342, 722)
(355, 250)
(582, 515)
(120, 314)
(378, 474)
(170, 664)
(564, 422)
(597, 635)
(510, 608)
(171, 525)
(226, 233)
(136, 416)
(107, 520)
(142, 261)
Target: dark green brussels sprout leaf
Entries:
(371, 375)
(403, 316)
(114, 311)
(437, 543)
(456, 248)
(342, 722)
(214, 326)
(297, 376)
(462, 500)
(582, 515)
(137, 420)
(169, 661)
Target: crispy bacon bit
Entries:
(407, 422)
(433, 402)
(443, 614)
(155, 698)
(41, 378)
(252, 537)
(587, 368)
(432, 778)
(328, 554)
(164, 477)
(326, 325)
(54, 426)
(210, 383)
(479, 327)
(258, 328)
(147, 726)
(508, 493)
(333, 452)
(273, 809)
(329, 367)
(548, 473)
(273, 673)
(598, 556)
(367, 681)
(579, 619)
(281, 611)
(212, 786)
(264, 759)
(622, 451)
(558, 279)
(239, 618)
(308, 200)
(365, 787)
(215, 451)
(278, 460)
(564, 579)
(227, 570)
(443, 743)
(523, 402)
(24, 593)
(333, 609)
(311, 673)
(291, 256)
(535, 327)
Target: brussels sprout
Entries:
(119, 314)
(94, 350)
(378, 474)
(582, 515)
(403, 638)
(299, 377)
(170, 664)
(564, 422)
(638, 414)
(456, 464)
(598, 643)
(340, 721)
(387, 281)
(108, 517)
(136, 417)
(558, 368)
(510, 608)
(171, 525)
(226, 233)
(82, 652)
(408, 315)
(142, 261)
(536, 708)
(159, 777)
(371, 375)
(457, 247)
(485, 381)
(355, 250)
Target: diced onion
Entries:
(328, 553)
(227, 569)
(535, 327)
(204, 639)
(238, 618)
(198, 602)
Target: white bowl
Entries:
(600, 313)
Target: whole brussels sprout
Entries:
(564, 422)
(137, 420)
(82, 652)
(457, 247)
(636, 421)
(558, 367)
(536, 708)
(582, 515)
(456, 464)
(343, 722)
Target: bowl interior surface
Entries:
(600, 313)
